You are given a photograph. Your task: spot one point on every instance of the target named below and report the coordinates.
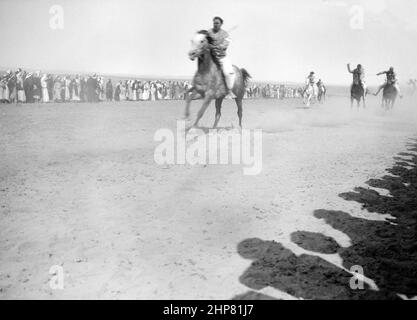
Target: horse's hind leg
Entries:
(239, 110)
(218, 111)
(364, 102)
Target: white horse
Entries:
(310, 94)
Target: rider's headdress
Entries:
(218, 18)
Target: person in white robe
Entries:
(57, 89)
(76, 87)
(67, 83)
(44, 85)
(123, 92)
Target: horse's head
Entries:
(199, 44)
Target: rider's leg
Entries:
(397, 86)
(229, 74)
(364, 87)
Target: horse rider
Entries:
(221, 41)
(320, 84)
(311, 79)
(358, 76)
(391, 79)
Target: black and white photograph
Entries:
(219, 150)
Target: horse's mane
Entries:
(210, 40)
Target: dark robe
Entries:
(37, 88)
(83, 90)
(109, 91)
(92, 92)
(28, 87)
(117, 93)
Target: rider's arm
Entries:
(382, 72)
(348, 67)
(226, 41)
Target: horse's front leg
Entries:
(239, 110)
(203, 109)
(218, 112)
(189, 97)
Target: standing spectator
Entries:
(2, 88)
(83, 89)
(153, 92)
(129, 93)
(63, 89)
(109, 90)
(117, 91)
(57, 89)
(75, 92)
(19, 87)
(122, 91)
(50, 87)
(37, 88)
(44, 86)
(100, 87)
(28, 87)
(134, 90)
(12, 87)
(67, 83)
(140, 90)
(92, 86)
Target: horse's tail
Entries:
(245, 75)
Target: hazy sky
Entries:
(278, 40)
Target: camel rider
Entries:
(391, 78)
(221, 41)
(358, 76)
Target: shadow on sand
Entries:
(386, 250)
(206, 130)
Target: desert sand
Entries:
(79, 188)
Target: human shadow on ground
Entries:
(385, 250)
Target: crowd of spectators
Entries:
(26, 87)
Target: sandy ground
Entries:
(79, 188)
